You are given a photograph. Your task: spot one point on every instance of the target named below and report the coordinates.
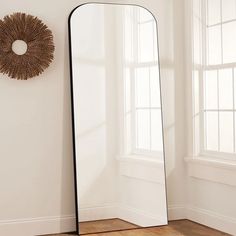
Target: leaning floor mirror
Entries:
(117, 118)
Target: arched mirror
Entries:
(117, 118)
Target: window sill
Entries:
(214, 170)
(145, 160)
(142, 168)
(213, 162)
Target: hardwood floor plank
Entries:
(105, 226)
(175, 228)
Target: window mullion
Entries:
(133, 111)
(150, 112)
(203, 130)
(221, 32)
(233, 109)
(134, 117)
(218, 107)
(203, 135)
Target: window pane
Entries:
(211, 130)
(229, 45)
(143, 129)
(234, 131)
(146, 43)
(234, 88)
(196, 91)
(196, 40)
(211, 100)
(155, 87)
(228, 10)
(156, 129)
(226, 132)
(214, 45)
(225, 89)
(197, 134)
(128, 141)
(142, 94)
(127, 90)
(213, 9)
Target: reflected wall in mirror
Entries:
(118, 141)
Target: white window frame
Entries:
(201, 68)
(132, 66)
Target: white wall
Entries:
(36, 168)
(212, 204)
(173, 80)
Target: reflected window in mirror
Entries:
(142, 105)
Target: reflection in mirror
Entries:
(117, 118)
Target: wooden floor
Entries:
(175, 228)
(105, 226)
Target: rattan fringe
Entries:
(40, 46)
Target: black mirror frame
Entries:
(72, 104)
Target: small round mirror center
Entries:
(19, 47)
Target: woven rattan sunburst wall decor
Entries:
(40, 46)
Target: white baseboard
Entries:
(212, 219)
(209, 218)
(176, 212)
(135, 216)
(53, 225)
(37, 226)
(141, 218)
(98, 212)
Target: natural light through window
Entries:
(214, 48)
(143, 125)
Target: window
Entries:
(143, 124)
(214, 76)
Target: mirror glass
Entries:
(117, 115)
